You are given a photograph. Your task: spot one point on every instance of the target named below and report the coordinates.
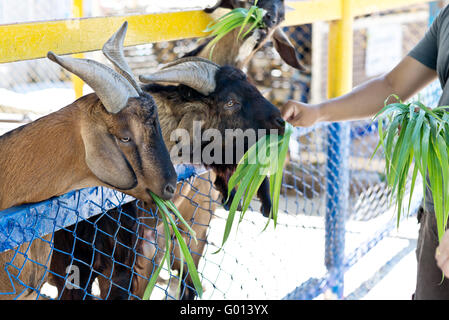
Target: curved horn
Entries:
(111, 88)
(113, 50)
(197, 73)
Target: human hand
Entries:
(300, 114)
(442, 254)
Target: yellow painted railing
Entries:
(33, 40)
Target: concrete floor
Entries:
(388, 272)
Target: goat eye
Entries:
(230, 104)
(125, 139)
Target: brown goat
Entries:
(111, 138)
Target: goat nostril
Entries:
(169, 190)
(270, 20)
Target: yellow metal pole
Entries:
(77, 12)
(340, 53)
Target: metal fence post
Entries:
(77, 12)
(338, 137)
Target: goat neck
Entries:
(177, 113)
(47, 150)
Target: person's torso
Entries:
(443, 58)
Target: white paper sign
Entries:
(383, 49)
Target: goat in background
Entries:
(238, 52)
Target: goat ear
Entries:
(106, 160)
(286, 50)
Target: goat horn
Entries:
(187, 59)
(113, 50)
(111, 88)
(197, 73)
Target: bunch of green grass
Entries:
(416, 132)
(167, 208)
(239, 17)
(266, 157)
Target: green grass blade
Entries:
(246, 163)
(239, 13)
(178, 215)
(238, 17)
(427, 110)
(390, 144)
(254, 186)
(412, 185)
(405, 146)
(181, 272)
(167, 219)
(188, 258)
(424, 140)
(237, 197)
(278, 176)
(441, 150)
(249, 15)
(395, 155)
(152, 283)
(256, 23)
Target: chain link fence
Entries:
(99, 244)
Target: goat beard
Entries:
(225, 170)
(223, 173)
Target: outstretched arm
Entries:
(364, 101)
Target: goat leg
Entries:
(187, 290)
